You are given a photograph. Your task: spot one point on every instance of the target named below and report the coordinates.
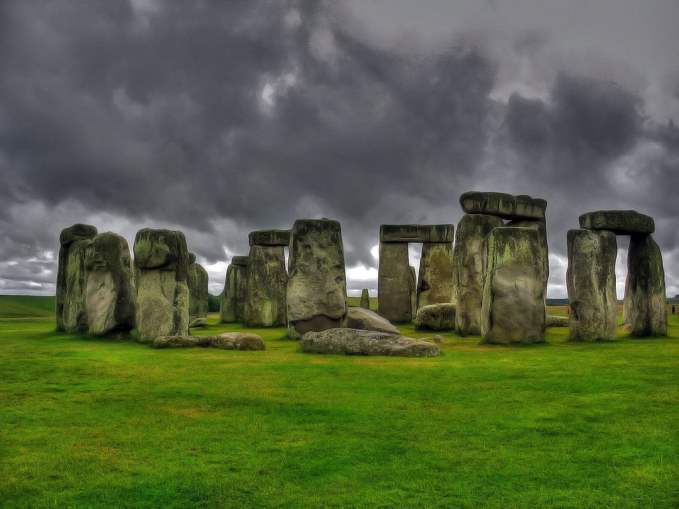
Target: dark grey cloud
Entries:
(222, 117)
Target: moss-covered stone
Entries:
(232, 306)
(513, 304)
(620, 222)
(365, 298)
(110, 296)
(439, 316)
(503, 205)
(198, 290)
(71, 278)
(416, 233)
(435, 283)
(266, 284)
(317, 291)
(395, 288)
(468, 270)
(645, 288)
(161, 261)
(591, 284)
(269, 238)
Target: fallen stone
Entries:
(360, 342)
(468, 270)
(503, 205)
(198, 323)
(238, 341)
(364, 319)
(394, 283)
(317, 291)
(365, 299)
(620, 222)
(110, 296)
(71, 315)
(442, 233)
(435, 284)
(556, 321)
(591, 284)
(266, 285)
(513, 305)
(232, 305)
(269, 238)
(436, 317)
(161, 262)
(645, 288)
(182, 341)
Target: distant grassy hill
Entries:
(26, 306)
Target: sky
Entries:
(219, 118)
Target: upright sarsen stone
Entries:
(316, 293)
(198, 291)
(232, 306)
(267, 281)
(110, 297)
(591, 284)
(395, 287)
(71, 315)
(161, 261)
(435, 283)
(365, 299)
(512, 309)
(468, 270)
(645, 288)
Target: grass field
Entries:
(104, 423)
(26, 306)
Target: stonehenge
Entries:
(365, 299)
(593, 249)
(344, 341)
(513, 303)
(266, 279)
(232, 303)
(436, 317)
(399, 294)
(316, 290)
(198, 292)
(161, 261)
(503, 205)
(590, 280)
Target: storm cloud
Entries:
(222, 117)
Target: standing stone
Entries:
(413, 292)
(591, 284)
(110, 297)
(512, 309)
(232, 306)
(468, 270)
(645, 288)
(435, 284)
(161, 261)
(198, 291)
(316, 294)
(267, 280)
(540, 226)
(71, 277)
(394, 283)
(365, 299)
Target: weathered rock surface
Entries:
(416, 233)
(364, 319)
(436, 317)
(226, 341)
(435, 284)
(198, 290)
(198, 323)
(413, 292)
(591, 284)
(621, 222)
(269, 238)
(556, 321)
(317, 291)
(513, 305)
(110, 296)
(503, 205)
(394, 283)
(360, 342)
(161, 261)
(365, 298)
(645, 288)
(468, 270)
(232, 305)
(266, 285)
(541, 227)
(71, 278)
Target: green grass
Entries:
(26, 306)
(105, 423)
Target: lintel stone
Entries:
(269, 238)
(503, 205)
(425, 233)
(620, 222)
